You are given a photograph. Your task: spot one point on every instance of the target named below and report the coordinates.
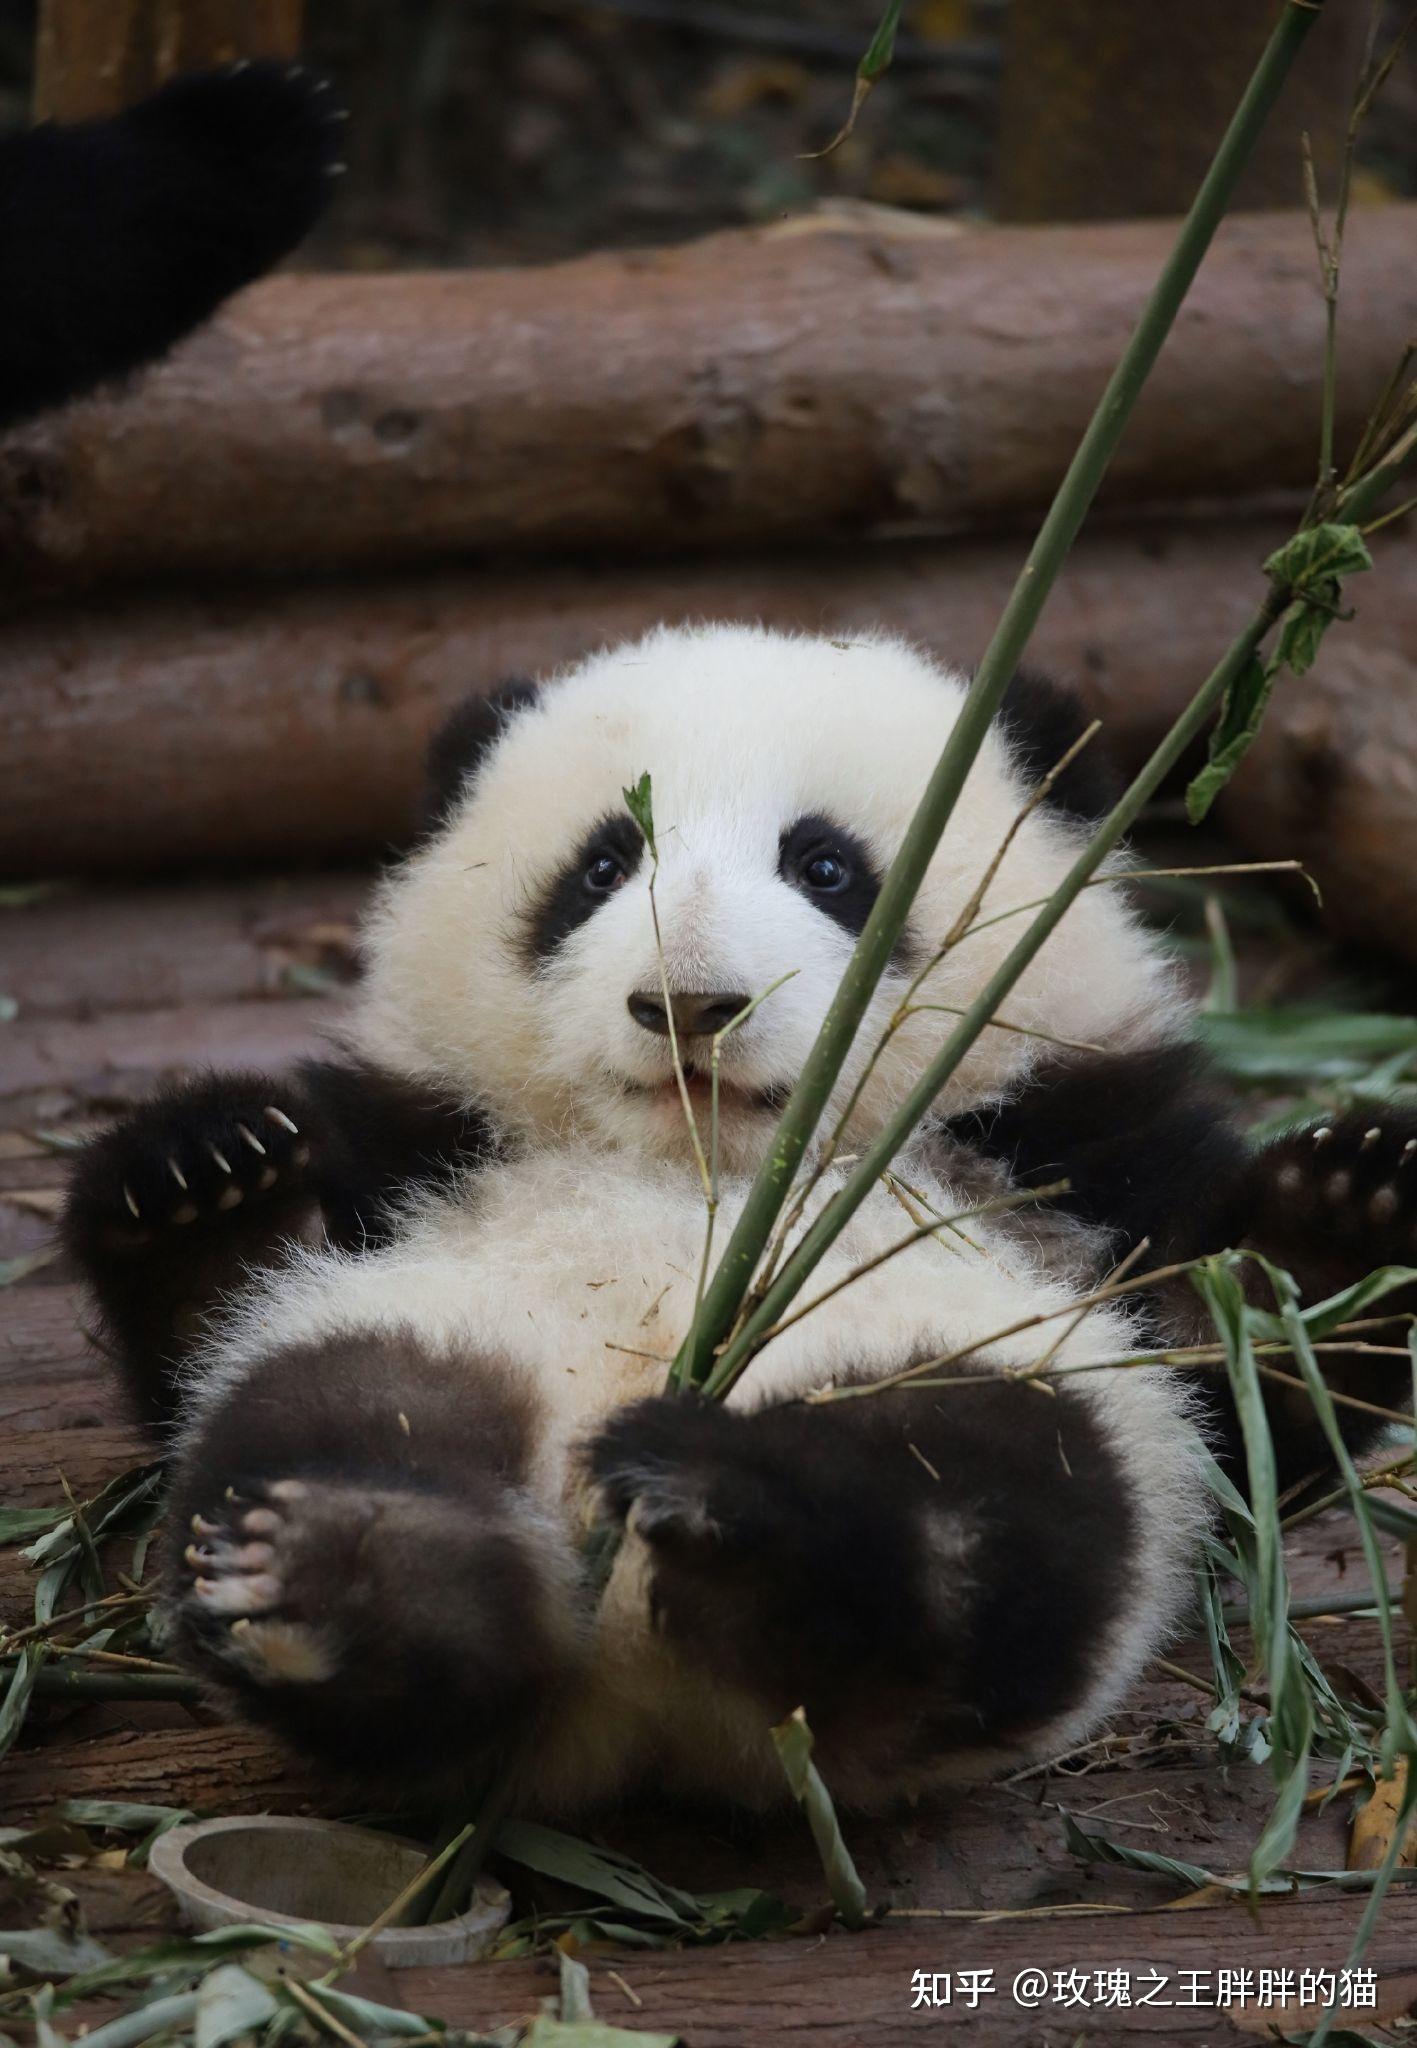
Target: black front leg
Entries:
(1146, 1141)
(923, 1570)
(170, 1210)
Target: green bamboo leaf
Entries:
(18, 1523)
(230, 2001)
(1291, 1722)
(1311, 557)
(616, 1878)
(1241, 711)
(15, 1704)
(639, 802)
(52, 1951)
(1306, 1043)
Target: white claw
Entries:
(249, 1595)
(1371, 1137)
(321, 85)
(248, 1137)
(1408, 1149)
(177, 1174)
(133, 1210)
(231, 1199)
(1322, 1135)
(221, 1159)
(278, 1116)
(201, 1527)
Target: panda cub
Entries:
(406, 1312)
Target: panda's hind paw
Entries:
(259, 1573)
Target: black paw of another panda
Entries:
(259, 143)
(217, 1153)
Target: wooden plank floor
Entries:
(116, 989)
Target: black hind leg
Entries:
(926, 1571)
(118, 237)
(357, 1563)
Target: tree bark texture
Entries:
(1111, 109)
(759, 386)
(267, 723)
(93, 57)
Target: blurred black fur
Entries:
(119, 237)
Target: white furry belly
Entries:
(581, 1269)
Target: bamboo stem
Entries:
(1356, 502)
(1075, 494)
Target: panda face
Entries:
(515, 958)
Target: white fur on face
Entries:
(743, 733)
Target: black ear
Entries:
(1042, 720)
(460, 742)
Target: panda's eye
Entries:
(606, 872)
(825, 873)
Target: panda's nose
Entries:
(695, 1016)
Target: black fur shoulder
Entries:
(118, 237)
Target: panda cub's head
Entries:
(513, 957)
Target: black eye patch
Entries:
(607, 856)
(832, 869)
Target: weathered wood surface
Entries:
(1152, 1778)
(825, 376)
(274, 723)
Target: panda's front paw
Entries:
(1346, 1190)
(215, 1153)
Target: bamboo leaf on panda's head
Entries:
(639, 802)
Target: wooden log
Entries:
(821, 377)
(1108, 109)
(273, 722)
(93, 57)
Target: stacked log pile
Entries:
(233, 598)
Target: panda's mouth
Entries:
(698, 1084)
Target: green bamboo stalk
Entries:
(1357, 502)
(1056, 535)
(112, 1685)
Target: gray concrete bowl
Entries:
(278, 1871)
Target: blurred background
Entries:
(511, 131)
